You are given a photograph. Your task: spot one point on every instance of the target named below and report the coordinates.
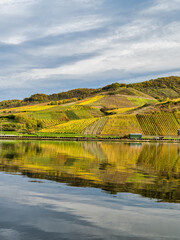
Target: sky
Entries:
(49, 46)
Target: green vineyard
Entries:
(48, 115)
(74, 126)
(96, 127)
(50, 123)
(121, 125)
(110, 111)
(159, 123)
(71, 115)
(177, 115)
(141, 101)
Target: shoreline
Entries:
(77, 139)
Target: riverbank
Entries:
(78, 138)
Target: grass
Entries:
(42, 134)
(141, 101)
(10, 133)
(48, 134)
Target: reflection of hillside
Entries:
(95, 149)
(151, 170)
(121, 155)
(163, 158)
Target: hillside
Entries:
(160, 89)
(115, 109)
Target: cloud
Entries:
(85, 43)
(163, 6)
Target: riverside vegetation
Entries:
(149, 108)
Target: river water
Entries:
(89, 190)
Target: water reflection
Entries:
(152, 170)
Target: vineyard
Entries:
(82, 113)
(141, 101)
(121, 125)
(71, 115)
(115, 101)
(120, 110)
(177, 114)
(96, 127)
(50, 123)
(159, 123)
(28, 108)
(74, 126)
(48, 115)
(91, 100)
(112, 113)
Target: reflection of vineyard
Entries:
(151, 170)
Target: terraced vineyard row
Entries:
(80, 112)
(111, 101)
(48, 115)
(91, 100)
(177, 115)
(161, 123)
(121, 125)
(71, 115)
(141, 101)
(74, 126)
(96, 127)
(50, 123)
(34, 108)
(121, 110)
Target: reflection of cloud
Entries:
(54, 208)
(9, 234)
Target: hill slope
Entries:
(161, 88)
(115, 109)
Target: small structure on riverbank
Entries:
(135, 136)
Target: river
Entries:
(89, 190)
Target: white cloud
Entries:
(76, 25)
(15, 7)
(85, 39)
(13, 40)
(163, 6)
(149, 51)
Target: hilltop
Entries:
(150, 108)
(160, 89)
